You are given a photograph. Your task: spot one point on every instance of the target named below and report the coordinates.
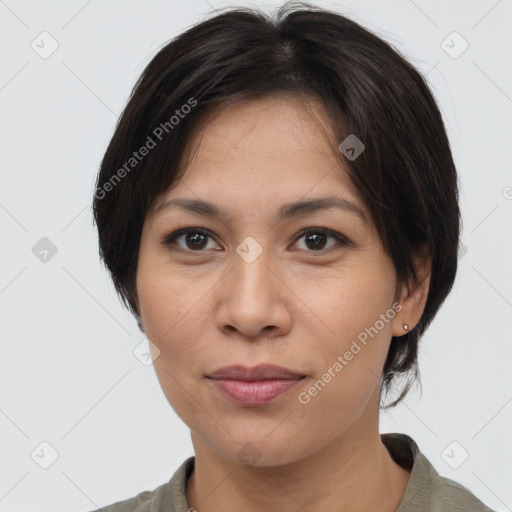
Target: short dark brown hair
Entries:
(405, 175)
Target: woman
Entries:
(278, 207)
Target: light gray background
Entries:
(68, 375)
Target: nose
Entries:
(254, 299)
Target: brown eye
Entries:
(194, 240)
(316, 239)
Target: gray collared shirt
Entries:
(426, 491)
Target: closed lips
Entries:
(257, 373)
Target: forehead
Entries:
(281, 124)
(277, 149)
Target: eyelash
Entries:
(169, 240)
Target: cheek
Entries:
(356, 308)
(172, 314)
(347, 376)
(347, 300)
(168, 300)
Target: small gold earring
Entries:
(406, 327)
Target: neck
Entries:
(354, 472)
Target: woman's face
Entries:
(257, 290)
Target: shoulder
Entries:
(427, 489)
(168, 497)
(450, 495)
(142, 502)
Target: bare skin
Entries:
(295, 305)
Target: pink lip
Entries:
(254, 386)
(256, 392)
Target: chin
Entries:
(259, 450)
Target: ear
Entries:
(413, 298)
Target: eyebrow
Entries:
(286, 211)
